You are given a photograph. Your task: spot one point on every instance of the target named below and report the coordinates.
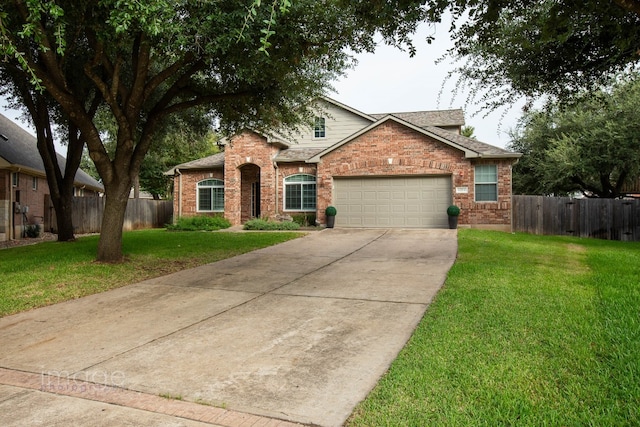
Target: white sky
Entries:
(390, 81)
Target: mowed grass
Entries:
(527, 331)
(50, 272)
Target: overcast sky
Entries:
(390, 81)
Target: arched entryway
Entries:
(250, 189)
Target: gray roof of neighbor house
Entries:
(429, 118)
(19, 148)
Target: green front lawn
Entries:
(51, 272)
(528, 330)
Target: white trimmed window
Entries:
(15, 179)
(486, 181)
(34, 183)
(300, 193)
(319, 128)
(211, 195)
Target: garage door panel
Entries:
(408, 202)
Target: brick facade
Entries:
(389, 149)
(31, 192)
(392, 149)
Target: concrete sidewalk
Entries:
(297, 333)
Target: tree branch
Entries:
(630, 5)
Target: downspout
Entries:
(179, 196)
(12, 212)
(275, 168)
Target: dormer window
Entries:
(319, 130)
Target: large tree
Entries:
(148, 60)
(48, 118)
(591, 146)
(531, 48)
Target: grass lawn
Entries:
(51, 272)
(528, 330)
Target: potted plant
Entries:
(331, 212)
(453, 211)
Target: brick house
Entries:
(24, 192)
(379, 170)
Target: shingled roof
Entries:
(215, 161)
(429, 118)
(19, 148)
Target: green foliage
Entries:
(589, 146)
(265, 224)
(468, 131)
(305, 219)
(146, 61)
(200, 223)
(527, 331)
(453, 210)
(32, 230)
(510, 48)
(331, 211)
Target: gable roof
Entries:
(19, 148)
(215, 161)
(471, 147)
(429, 118)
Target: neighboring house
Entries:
(379, 170)
(24, 192)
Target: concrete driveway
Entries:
(300, 332)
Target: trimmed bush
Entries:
(263, 224)
(331, 211)
(453, 210)
(200, 223)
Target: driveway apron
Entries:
(300, 331)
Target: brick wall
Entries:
(395, 150)
(186, 205)
(244, 151)
(388, 150)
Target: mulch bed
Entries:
(44, 237)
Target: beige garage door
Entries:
(408, 202)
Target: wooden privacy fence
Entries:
(141, 213)
(598, 218)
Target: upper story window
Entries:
(319, 128)
(211, 195)
(15, 178)
(486, 183)
(34, 183)
(300, 193)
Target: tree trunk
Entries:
(63, 206)
(110, 242)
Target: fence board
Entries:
(140, 213)
(596, 218)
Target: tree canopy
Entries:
(531, 48)
(147, 60)
(591, 146)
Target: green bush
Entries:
(32, 230)
(453, 210)
(200, 223)
(331, 211)
(263, 224)
(305, 219)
